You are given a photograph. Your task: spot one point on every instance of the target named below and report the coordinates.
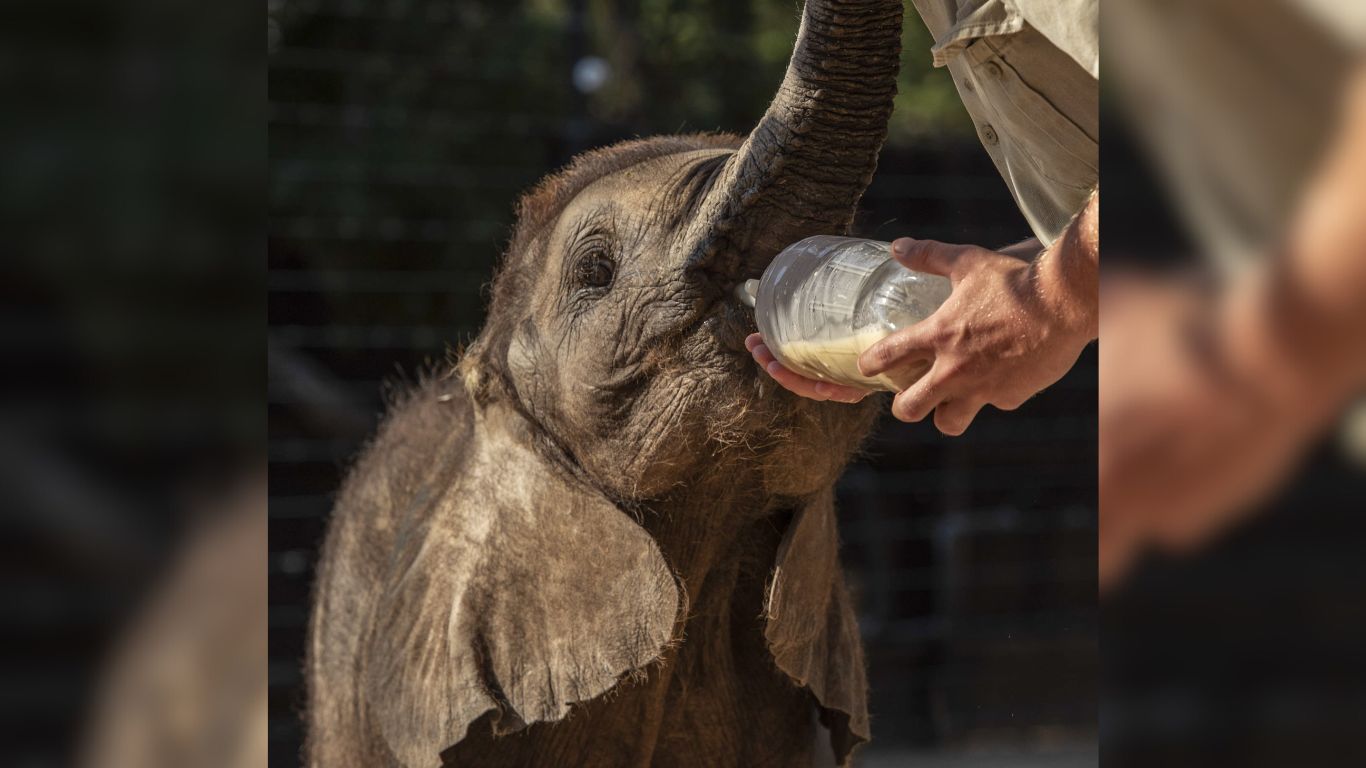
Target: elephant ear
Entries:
(521, 591)
(812, 630)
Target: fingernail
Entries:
(752, 340)
(773, 366)
(760, 349)
(822, 389)
(901, 246)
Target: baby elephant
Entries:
(604, 538)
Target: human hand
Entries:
(1190, 435)
(1009, 329)
(796, 383)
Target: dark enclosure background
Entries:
(401, 132)
(1251, 654)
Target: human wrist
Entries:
(1065, 275)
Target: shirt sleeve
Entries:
(1071, 25)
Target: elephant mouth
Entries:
(729, 324)
(718, 330)
(721, 321)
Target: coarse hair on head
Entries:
(484, 364)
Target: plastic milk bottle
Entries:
(824, 300)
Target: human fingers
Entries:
(930, 256)
(908, 345)
(952, 417)
(840, 392)
(792, 382)
(796, 383)
(917, 400)
(761, 354)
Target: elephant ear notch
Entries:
(524, 591)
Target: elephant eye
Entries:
(594, 270)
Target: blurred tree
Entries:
(715, 64)
(927, 104)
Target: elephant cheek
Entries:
(534, 373)
(823, 439)
(522, 369)
(663, 439)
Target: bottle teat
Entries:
(746, 292)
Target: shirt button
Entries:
(992, 69)
(989, 134)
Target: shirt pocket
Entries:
(1042, 106)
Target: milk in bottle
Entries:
(825, 299)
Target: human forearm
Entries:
(1066, 273)
(1299, 321)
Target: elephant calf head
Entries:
(612, 324)
(613, 329)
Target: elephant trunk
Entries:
(803, 168)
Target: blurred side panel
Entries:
(1233, 479)
(131, 171)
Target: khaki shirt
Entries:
(1232, 101)
(1028, 72)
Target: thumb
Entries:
(930, 256)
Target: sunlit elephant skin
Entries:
(603, 537)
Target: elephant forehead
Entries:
(638, 190)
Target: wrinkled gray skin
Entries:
(605, 538)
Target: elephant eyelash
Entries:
(591, 267)
(595, 270)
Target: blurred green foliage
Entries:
(715, 62)
(927, 104)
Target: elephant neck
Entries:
(721, 538)
(721, 535)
